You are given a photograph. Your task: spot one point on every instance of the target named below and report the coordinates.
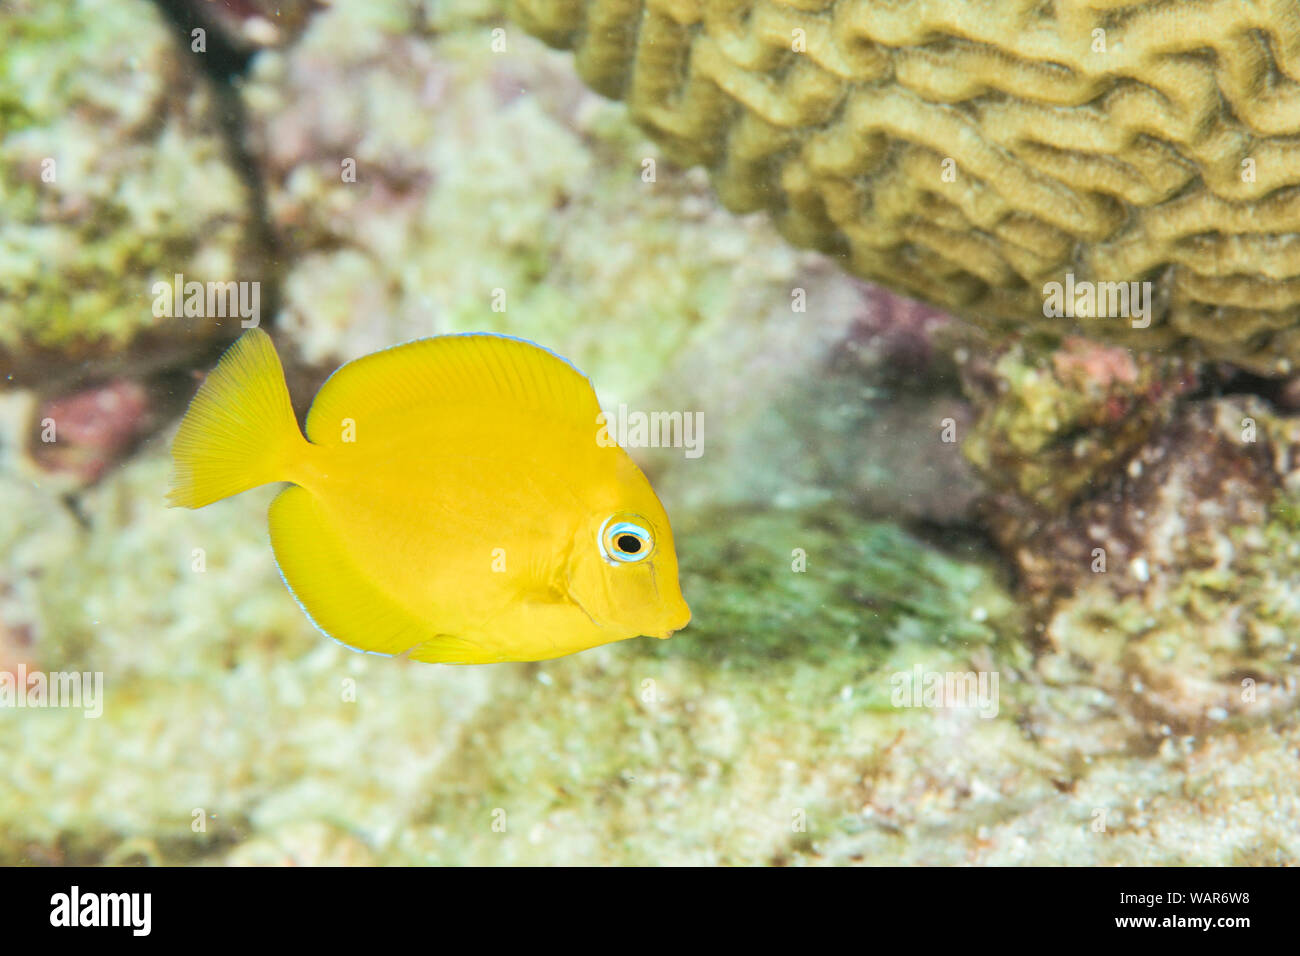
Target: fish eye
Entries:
(624, 539)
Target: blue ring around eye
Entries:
(608, 536)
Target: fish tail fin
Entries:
(239, 431)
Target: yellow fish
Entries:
(450, 501)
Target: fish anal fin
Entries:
(448, 649)
(339, 597)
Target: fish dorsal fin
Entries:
(475, 370)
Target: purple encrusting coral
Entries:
(86, 432)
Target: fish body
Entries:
(450, 501)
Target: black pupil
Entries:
(629, 543)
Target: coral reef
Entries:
(1055, 423)
(1145, 701)
(114, 175)
(766, 732)
(973, 153)
(241, 710)
(1153, 534)
(1178, 579)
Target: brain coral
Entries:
(970, 153)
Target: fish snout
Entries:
(678, 621)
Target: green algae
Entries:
(820, 585)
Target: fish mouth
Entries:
(678, 625)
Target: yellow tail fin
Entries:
(240, 431)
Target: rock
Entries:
(310, 843)
(246, 25)
(285, 741)
(236, 708)
(114, 176)
(1055, 423)
(1174, 585)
